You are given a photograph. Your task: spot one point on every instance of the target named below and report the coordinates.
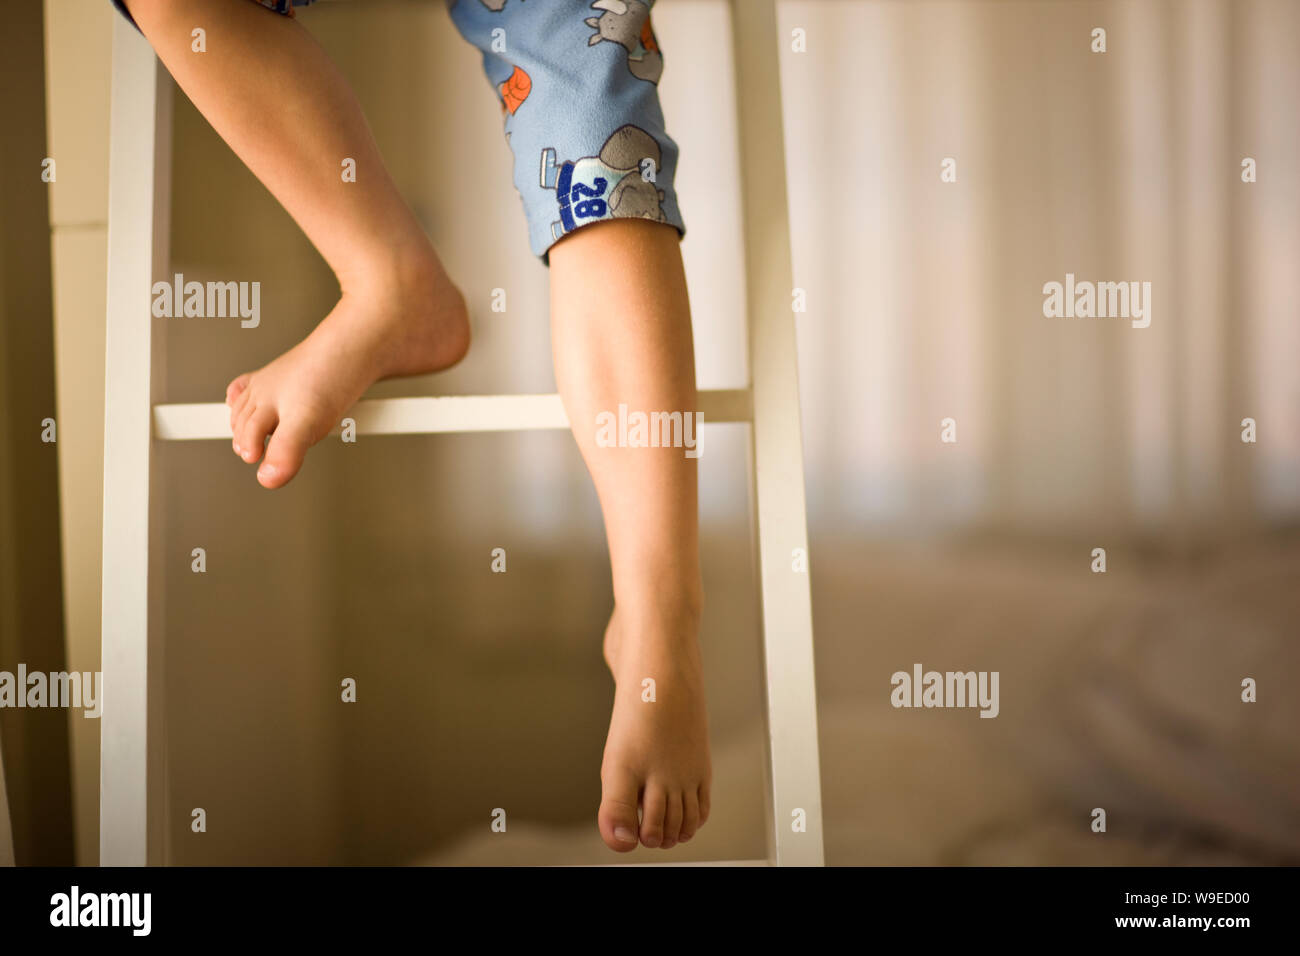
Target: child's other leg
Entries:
(621, 333)
(594, 167)
(273, 95)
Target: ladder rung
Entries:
(422, 416)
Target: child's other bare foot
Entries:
(407, 319)
(657, 752)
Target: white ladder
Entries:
(132, 775)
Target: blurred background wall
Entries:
(1119, 690)
(36, 809)
(477, 690)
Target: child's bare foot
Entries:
(657, 752)
(406, 321)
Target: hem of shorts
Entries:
(545, 254)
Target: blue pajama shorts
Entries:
(577, 82)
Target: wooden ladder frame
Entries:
(133, 810)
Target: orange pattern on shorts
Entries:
(648, 37)
(515, 90)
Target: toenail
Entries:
(651, 841)
(624, 835)
(237, 451)
(266, 471)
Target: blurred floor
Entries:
(1119, 691)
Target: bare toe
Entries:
(617, 816)
(690, 815)
(251, 438)
(239, 416)
(672, 820)
(236, 387)
(284, 455)
(238, 402)
(654, 804)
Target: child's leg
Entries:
(270, 91)
(594, 166)
(621, 333)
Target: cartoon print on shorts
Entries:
(608, 186)
(514, 90)
(627, 23)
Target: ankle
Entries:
(402, 271)
(674, 615)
